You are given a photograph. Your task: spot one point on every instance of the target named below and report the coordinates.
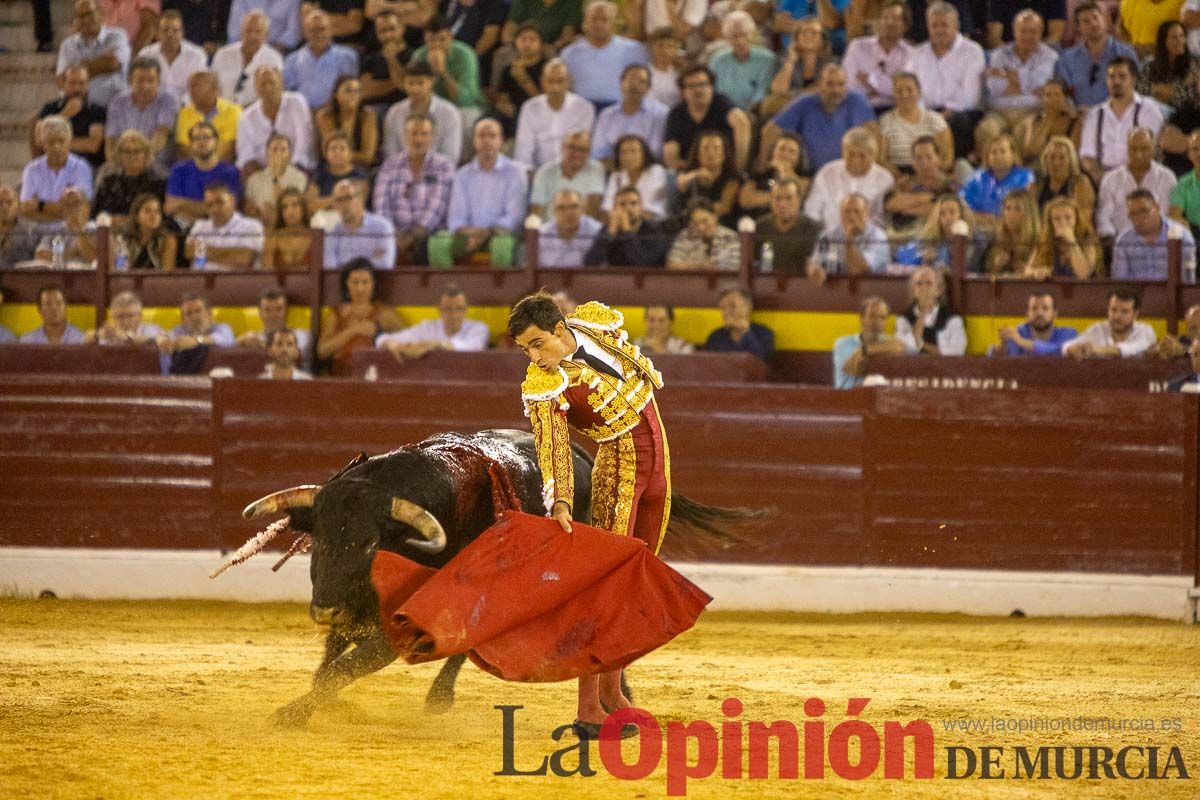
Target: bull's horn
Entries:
(296, 497)
(426, 524)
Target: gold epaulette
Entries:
(596, 316)
(542, 385)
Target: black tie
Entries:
(594, 363)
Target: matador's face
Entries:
(545, 348)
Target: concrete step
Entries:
(14, 125)
(21, 93)
(14, 153)
(10, 177)
(31, 62)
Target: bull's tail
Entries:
(698, 531)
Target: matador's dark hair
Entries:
(537, 309)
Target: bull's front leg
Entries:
(335, 644)
(441, 693)
(369, 655)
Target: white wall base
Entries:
(152, 574)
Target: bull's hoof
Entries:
(293, 715)
(439, 702)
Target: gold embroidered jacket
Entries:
(596, 404)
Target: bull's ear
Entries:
(354, 462)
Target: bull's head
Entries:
(347, 520)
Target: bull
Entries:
(425, 502)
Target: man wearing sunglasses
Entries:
(1084, 67)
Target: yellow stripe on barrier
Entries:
(794, 330)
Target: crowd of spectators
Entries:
(858, 137)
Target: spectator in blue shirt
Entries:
(1140, 252)
(46, 178)
(857, 246)
(850, 352)
(1037, 335)
(487, 204)
(597, 60)
(188, 179)
(358, 233)
(283, 15)
(1085, 65)
(984, 193)
(52, 308)
(739, 334)
(820, 119)
(313, 70)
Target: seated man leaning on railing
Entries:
(124, 324)
(1141, 251)
(631, 239)
(1119, 336)
(857, 246)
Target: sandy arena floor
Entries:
(171, 700)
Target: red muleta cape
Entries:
(527, 601)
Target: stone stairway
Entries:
(26, 80)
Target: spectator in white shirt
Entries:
(450, 331)
(236, 64)
(872, 61)
(950, 68)
(275, 111)
(1120, 336)
(284, 352)
(1142, 172)
(635, 167)
(178, 57)
(855, 172)
(575, 170)
(546, 119)
(231, 241)
(929, 325)
(1102, 146)
(421, 101)
(566, 239)
(1015, 78)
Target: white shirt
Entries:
(1112, 215)
(951, 340)
(954, 81)
(239, 231)
(541, 129)
(833, 182)
(1193, 36)
(866, 55)
(1115, 132)
(227, 64)
(690, 11)
(472, 337)
(447, 128)
(190, 60)
(297, 374)
(592, 348)
(664, 86)
(651, 184)
(294, 120)
(1139, 340)
(1033, 74)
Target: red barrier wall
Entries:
(106, 462)
(1046, 480)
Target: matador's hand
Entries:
(562, 515)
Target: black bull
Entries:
(425, 502)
